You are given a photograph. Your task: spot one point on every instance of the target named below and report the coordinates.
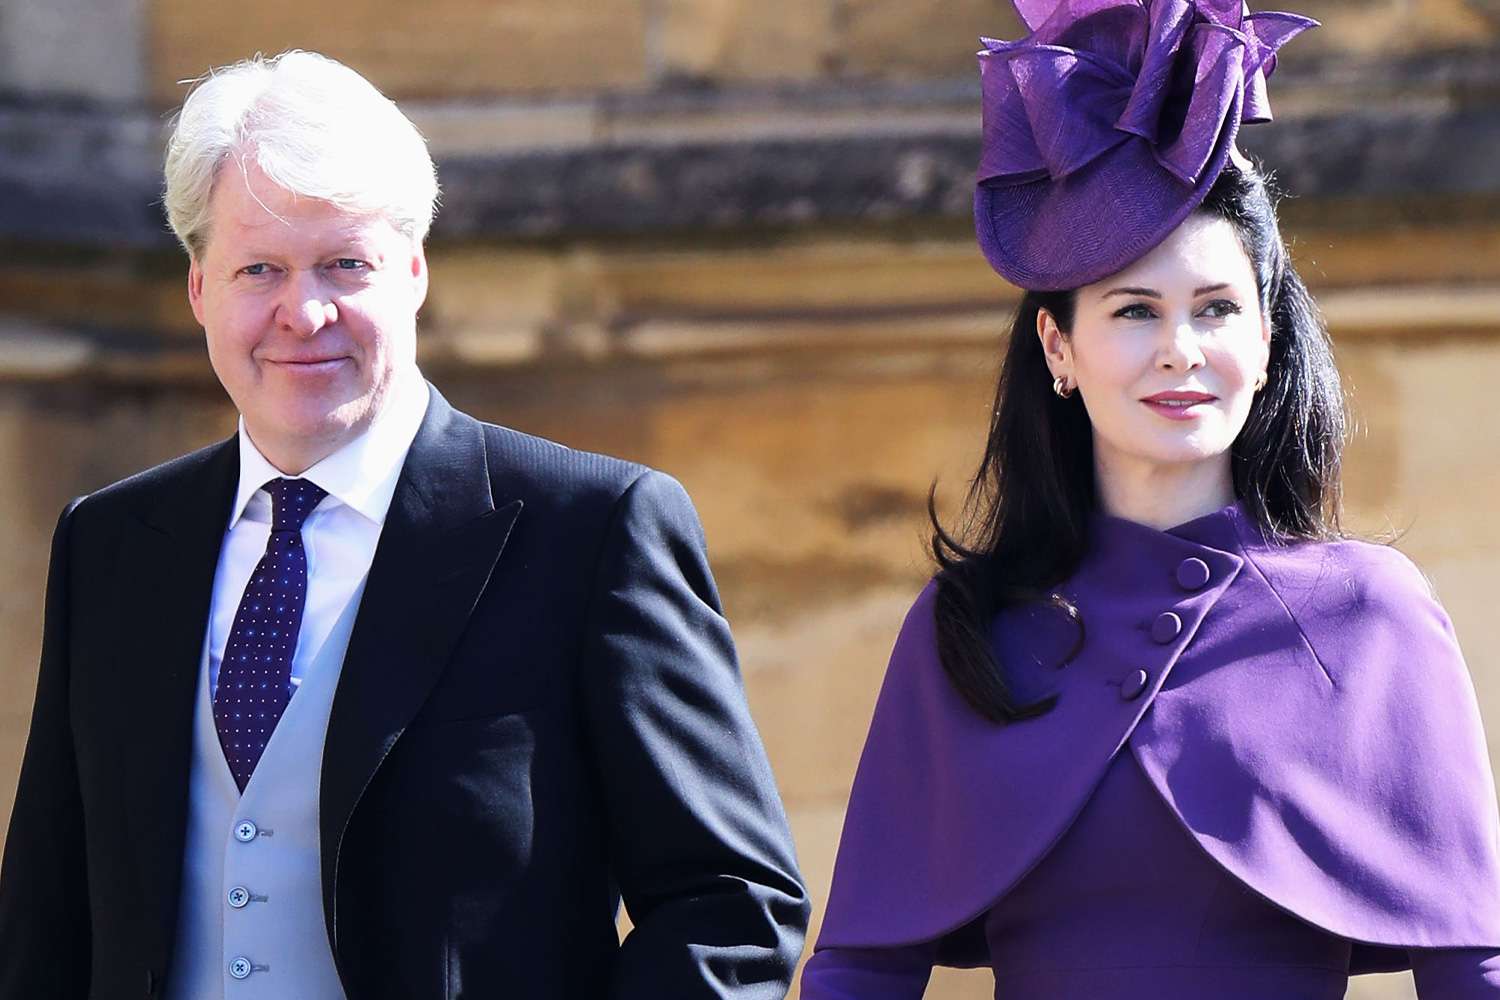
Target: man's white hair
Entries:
(314, 127)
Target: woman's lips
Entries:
(1175, 407)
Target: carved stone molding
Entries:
(1414, 136)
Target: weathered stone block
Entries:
(111, 296)
(1398, 27)
(473, 287)
(92, 49)
(736, 40)
(853, 275)
(444, 48)
(1381, 257)
(920, 38)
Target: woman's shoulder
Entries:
(916, 643)
(1345, 576)
(1366, 610)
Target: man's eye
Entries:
(255, 269)
(349, 264)
(1136, 311)
(1219, 308)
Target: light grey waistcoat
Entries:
(250, 918)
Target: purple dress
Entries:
(1119, 894)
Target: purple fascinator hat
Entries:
(1107, 125)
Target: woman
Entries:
(1156, 729)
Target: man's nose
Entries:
(306, 307)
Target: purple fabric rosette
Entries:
(1107, 125)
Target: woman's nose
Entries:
(1180, 349)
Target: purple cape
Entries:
(1306, 713)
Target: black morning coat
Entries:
(538, 622)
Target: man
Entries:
(374, 700)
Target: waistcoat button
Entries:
(1134, 684)
(239, 968)
(246, 831)
(238, 897)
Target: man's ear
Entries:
(1055, 346)
(419, 275)
(195, 289)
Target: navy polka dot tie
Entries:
(255, 677)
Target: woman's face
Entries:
(1165, 354)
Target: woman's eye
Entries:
(1219, 308)
(1136, 311)
(255, 270)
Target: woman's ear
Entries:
(1054, 344)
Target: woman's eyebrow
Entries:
(1151, 293)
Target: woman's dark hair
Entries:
(1024, 526)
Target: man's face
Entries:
(310, 313)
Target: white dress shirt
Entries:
(339, 536)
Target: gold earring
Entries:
(1061, 387)
(1260, 381)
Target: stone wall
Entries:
(807, 412)
(729, 239)
(448, 48)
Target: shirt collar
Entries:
(362, 474)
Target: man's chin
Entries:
(310, 428)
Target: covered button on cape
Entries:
(1305, 713)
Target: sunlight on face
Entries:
(309, 310)
(1165, 354)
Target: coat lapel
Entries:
(440, 542)
(164, 577)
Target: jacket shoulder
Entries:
(541, 471)
(140, 490)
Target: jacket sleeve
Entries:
(697, 837)
(1456, 973)
(44, 916)
(899, 973)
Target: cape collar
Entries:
(1227, 529)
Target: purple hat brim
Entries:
(1096, 221)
